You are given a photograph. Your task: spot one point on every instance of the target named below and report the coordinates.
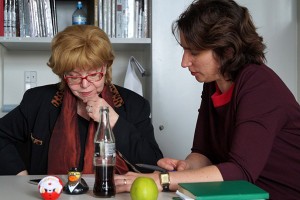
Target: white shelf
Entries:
(43, 43)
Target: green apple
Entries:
(144, 188)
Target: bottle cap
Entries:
(79, 5)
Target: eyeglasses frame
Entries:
(83, 77)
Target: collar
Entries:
(219, 98)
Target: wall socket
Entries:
(27, 76)
(33, 77)
(30, 79)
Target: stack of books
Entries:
(122, 18)
(28, 18)
(38, 18)
(224, 190)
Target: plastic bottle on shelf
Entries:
(79, 16)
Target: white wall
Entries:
(276, 21)
(298, 45)
(176, 94)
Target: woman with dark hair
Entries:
(248, 126)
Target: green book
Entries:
(241, 190)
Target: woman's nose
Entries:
(85, 83)
(185, 62)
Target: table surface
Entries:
(18, 187)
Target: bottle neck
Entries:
(104, 116)
(104, 131)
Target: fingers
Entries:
(123, 182)
(23, 173)
(182, 165)
(89, 109)
(93, 108)
(168, 163)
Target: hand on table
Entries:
(171, 164)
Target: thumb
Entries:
(181, 166)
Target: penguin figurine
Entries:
(75, 184)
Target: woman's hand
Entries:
(123, 182)
(171, 164)
(192, 161)
(22, 173)
(93, 108)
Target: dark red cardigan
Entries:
(256, 136)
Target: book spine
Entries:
(53, 16)
(125, 19)
(26, 26)
(21, 18)
(108, 18)
(104, 9)
(2, 18)
(5, 22)
(145, 19)
(41, 18)
(34, 27)
(96, 13)
(130, 18)
(100, 14)
(140, 20)
(13, 18)
(48, 19)
(37, 19)
(113, 18)
(136, 17)
(119, 18)
(17, 18)
(9, 19)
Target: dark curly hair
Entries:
(224, 27)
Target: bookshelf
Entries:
(20, 54)
(43, 43)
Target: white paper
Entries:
(182, 196)
(132, 81)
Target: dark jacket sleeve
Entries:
(14, 130)
(134, 131)
(33, 118)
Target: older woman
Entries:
(57, 122)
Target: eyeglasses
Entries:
(75, 80)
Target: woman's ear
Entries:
(104, 69)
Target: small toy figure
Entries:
(50, 187)
(75, 184)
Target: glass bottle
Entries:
(104, 157)
(79, 16)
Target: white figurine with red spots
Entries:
(50, 187)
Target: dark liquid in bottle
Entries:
(104, 181)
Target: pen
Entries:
(152, 167)
(34, 181)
